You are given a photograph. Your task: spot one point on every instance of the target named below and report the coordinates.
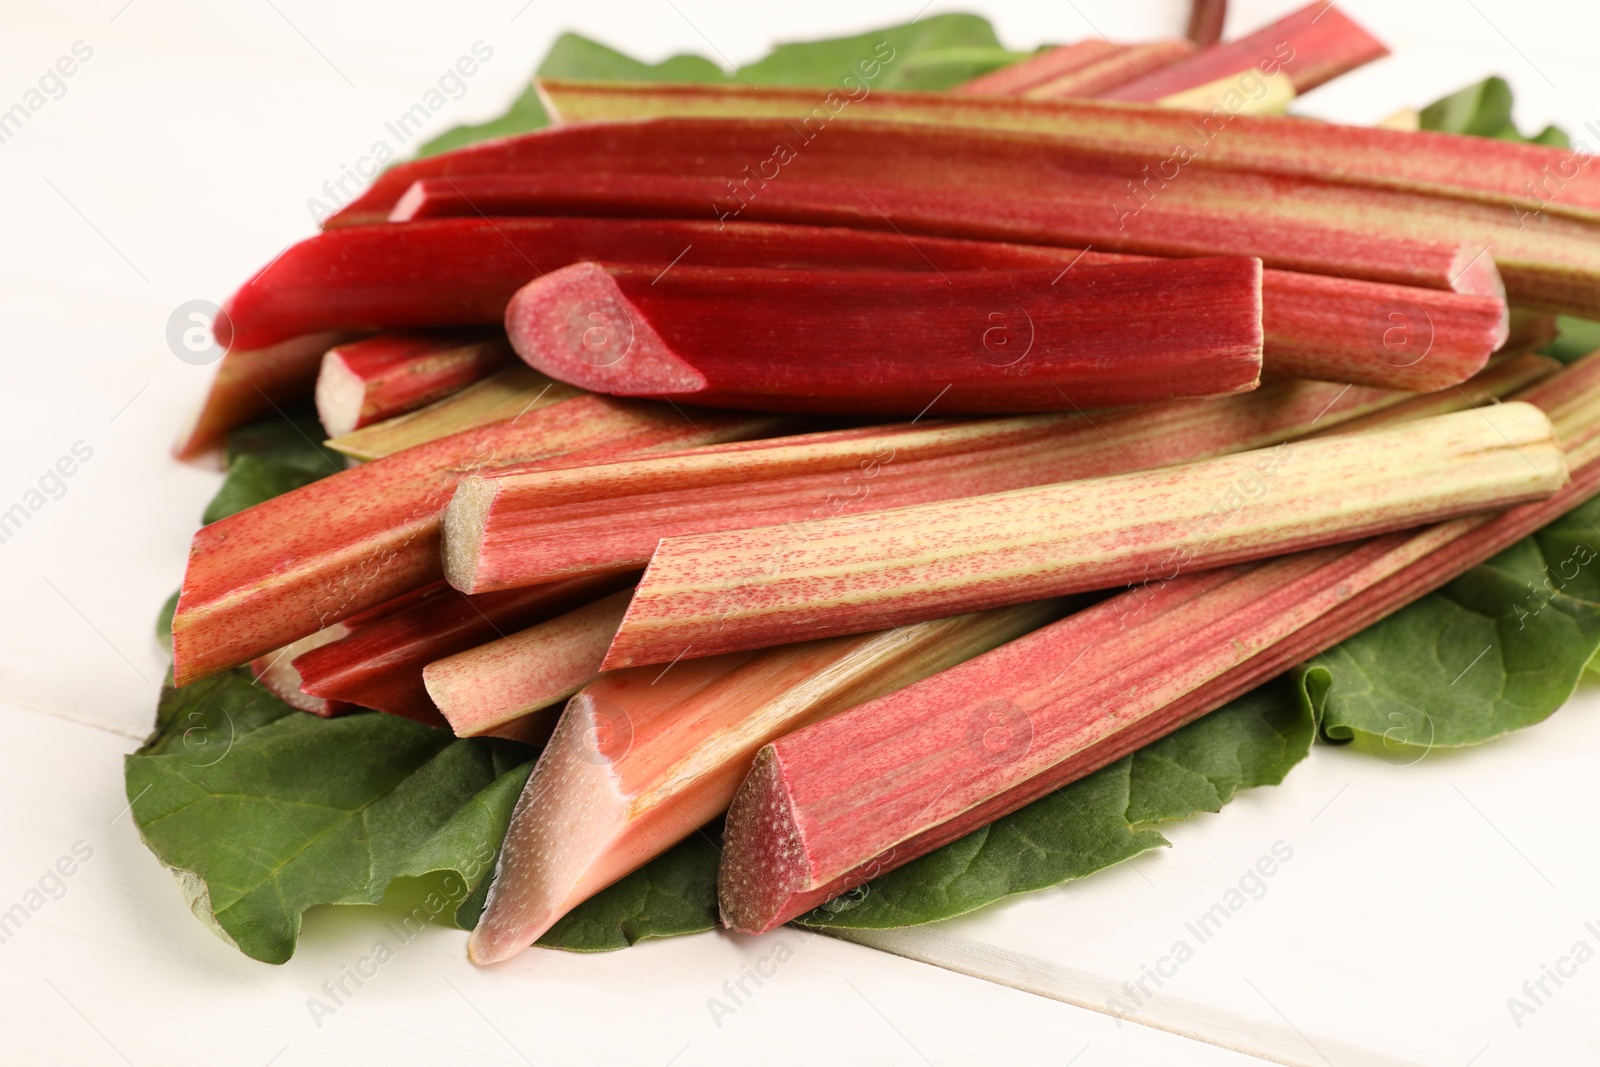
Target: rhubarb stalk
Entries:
(867, 342)
(708, 593)
(368, 381)
(642, 759)
(807, 825)
(253, 382)
(380, 664)
(299, 562)
(516, 527)
(510, 394)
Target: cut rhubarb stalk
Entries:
(368, 381)
(464, 270)
(808, 824)
(1496, 172)
(252, 383)
(1048, 65)
(292, 565)
(510, 394)
(1505, 376)
(1324, 326)
(276, 673)
(1311, 46)
(641, 760)
(1042, 190)
(975, 342)
(510, 527)
(1107, 71)
(380, 666)
(1249, 93)
(487, 687)
(709, 593)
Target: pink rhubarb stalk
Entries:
(295, 564)
(1311, 46)
(368, 381)
(516, 527)
(509, 394)
(981, 740)
(1087, 68)
(488, 687)
(893, 343)
(380, 663)
(708, 593)
(642, 759)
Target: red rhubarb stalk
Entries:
(1088, 68)
(499, 682)
(1047, 65)
(985, 738)
(513, 527)
(1502, 173)
(297, 563)
(1316, 326)
(368, 381)
(1206, 19)
(380, 664)
(642, 759)
(277, 674)
(893, 343)
(1312, 46)
(1043, 190)
(709, 593)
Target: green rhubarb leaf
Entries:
(1095, 822)
(164, 620)
(1484, 110)
(263, 812)
(1498, 649)
(271, 457)
(673, 894)
(932, 53)
(1575, 337)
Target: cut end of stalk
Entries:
(576, 325)
(568, 816)
(276, 673)
(339, 395)
(1473, 271)
(464, 520)
(764, 867)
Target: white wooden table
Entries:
(180, 155)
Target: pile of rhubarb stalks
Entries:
(863, 467)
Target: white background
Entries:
(181, 157)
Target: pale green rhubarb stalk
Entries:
(704, 594)
(642, 759)
(511, 393)
(515, 527)
(834, 805)
(488, 687)
(290, 566)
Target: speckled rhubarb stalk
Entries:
(891, 343)
(514, 527)
(1085, 69)
(484, 688)
(295, 564)
(1001, 730)
(709, 593)
(511, 393)
(1442, 164)
(642, 759)
(367, 381)
(1038, 190)
(379, 665)
(1310, 46)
